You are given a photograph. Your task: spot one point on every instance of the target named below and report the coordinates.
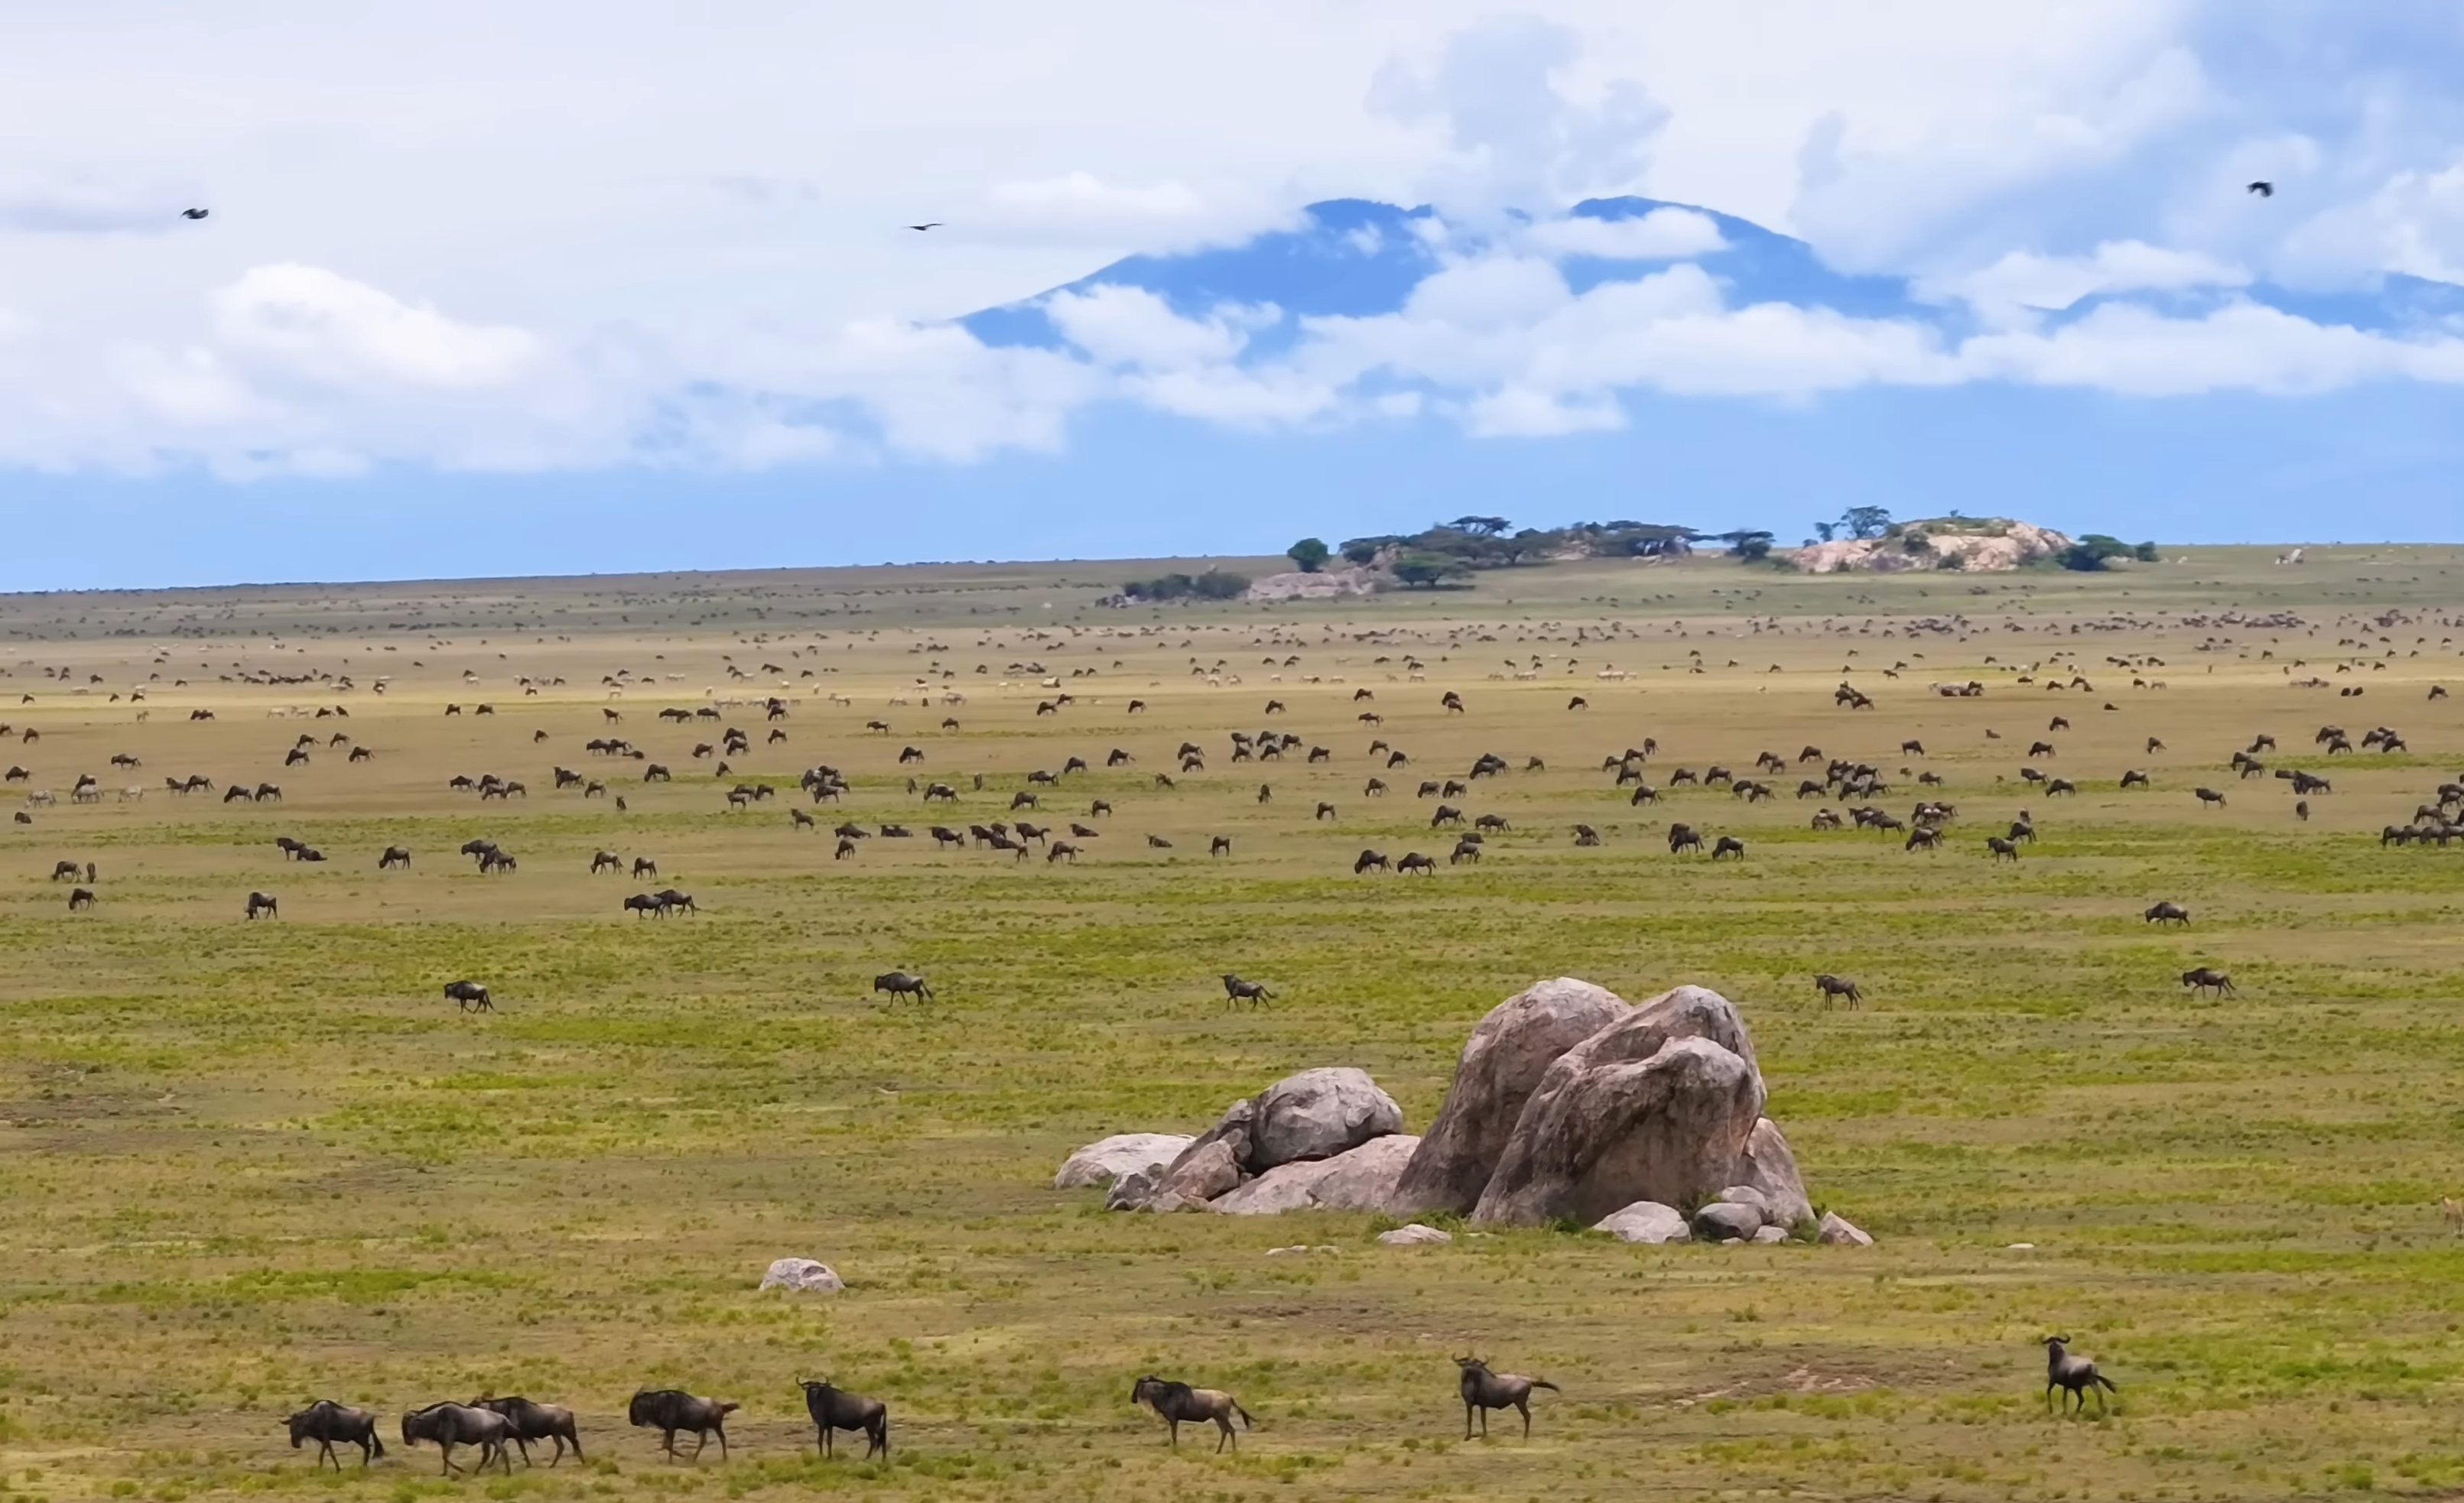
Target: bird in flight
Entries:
(194, 214)
(935, 225)
(2263, 189)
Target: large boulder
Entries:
(1232, 1127)
(1500, 1066)
(1647, 1221)
(1104, 1161)
(1361, 1180)
(1722, 1220)
(1205, 1174)
(1318, 1114)
(1767, 1166)
(801, 1273)
(1414, 1234)
(1658, 1106)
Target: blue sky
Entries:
(490, 296)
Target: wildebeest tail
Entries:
(1247, 1422)
(376, 1442)
(2109, 1385)
(1543, 1383)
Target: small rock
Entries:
(1719, 1221)
(1164, 1201)
(2020, 1246)
(1294, 1250)
(1748, 1195)
(1414, 1235)
(1771, 1234)
(804, 1274)
(1103, 1162)
(1646, 1221)
(1838, 1230)
(1132, 1190)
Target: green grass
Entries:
(249, 1164)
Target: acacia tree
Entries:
(1309, 553)
(1865, 521)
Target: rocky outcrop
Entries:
(1206, 1173)
(1103, 1162)
(1767, 1166)
(801, 1273)
(1318, 1114)
(1327, 584)
(1360, 1180)
(1658, 1105)
(1500, 1066)
(1971, 545)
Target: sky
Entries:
(565, 288)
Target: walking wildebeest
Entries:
(1830, 986)
(1728, 845)
(670, 1411)
(1415, 862)
(1235, 990)
(1484, 1390)
(326, 1422)
(2206, 977)
(901, 982)
(449, 1425)
(1682, 837)
(642, 903)
(537, 1422)
(2001, 848)
(2168, 913)
(1368, 859)
(1178, 1404)
(471, 995)
(834, 1409)
(2076, 1376)
(262, 903)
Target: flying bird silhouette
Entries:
(194, 214)
(2263, 189)
(935, 225)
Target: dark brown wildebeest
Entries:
(1158, 842)
(1178, 1404)
(1447, 814)
(1484, 1390)
(902, 984)
(1396, 760)
(1415, 862)
(65, 871)
(642, 902)
(472, 997)
(1643, 794)
(1325, 811)
(297, 756)
(261, 902)
(1220, 845)
(449, 1425)
(2040, 748)
(1490, 822)
(1372, 788)
(266, 791)
(2134, 778)
(671, 1411)
(1578, 703)
(80, 898)
(1467, 849)
(605, 861)
(1428, 790)
(1058, 850)
(846, 848)
(1452, 701)
(834, 1409)
(1682, 837)
(643, 867)
(2207, 977)
(907, 754)
(537, 1422)
(1083, 833)
(2154, 745)
(326, 1422)
(2167, 913)
(1923, 837)
(1164, 780)
(676, 899)
(2208, 796)
(237, 791)
(1830, 986)
(2002, 847)
(1585, 834)
(2076, 1376)
(1728, 845)
(1368, 859)
(2301, 810)
(1235, 990)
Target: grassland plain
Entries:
(244, 1163)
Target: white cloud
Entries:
(1080, 209)
(2021, 280)
(1664, 234)
(2242, 347)
(324, 325)
(1521, 412)
(1131, 326)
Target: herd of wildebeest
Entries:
(1855, 785)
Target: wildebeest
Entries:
(1178, 1404)
(643, 867)
(1235, 990)
(537, 1422)
(1415, 862)
(64, 871)
(2002, 848)
(1467, 849)
(1368, 859)
(835, 1410)
(670, 1411)
(80, 898)
(605, 861)
(2167, 913)
(1683, 837)
(1158, 842)
(2207, 977)
(1484, 1390)
(449, 1425)
(676, 899)
(471, 996)
(901, 982)
(642, 903)
(1219, 845)
(2076, 1376)
(1728, 845)
(326, 1422)
(2208, 796)
(1830, 986)
(2134, 778)
(394, 856)
(262, 903)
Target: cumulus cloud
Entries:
(1131, 326)
(1664, 234)
(2024, 281)
(1080, 209)
(320, 324)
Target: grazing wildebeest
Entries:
(2208, 796)
(394, 856)
(236, 792)
(1728, 845)
(1924, 838)
(670, 1411)
(261, 902)
(835, 1410)
(449, 1425)
(1466, 849)
(901, 982)
(2076, 1376)
(1220, 845)
(1830, 986)
(607, 861)
(1484, 1390)
(64, 871)
(2168, 913)
(2207, 977)
(1368, 859)
(266, 791)
(846, 848)
(1682, 837)
(2001, 848)
(1158, 842)
(1059, 850)
(1177, 1403)
(80, 898)
(326, 1422)
(1585, 834)
(2134, 778)
(1235, 990)
(1099, 807)
(1415, 862)
(537, 1422)
(471, 995)
(643, 867)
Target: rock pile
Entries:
(1568, 1104)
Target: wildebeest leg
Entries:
(1525, 1405)
(723, 1443)
(325, 1453)
(700, 1440)
(523, 1443)
(1224, 1422)
(445, 1449)
(1176, 1433)
(827, 1450)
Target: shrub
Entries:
(1309, 553)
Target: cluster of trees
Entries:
(2090, 553)
(1450, 550)
(1215, 584)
